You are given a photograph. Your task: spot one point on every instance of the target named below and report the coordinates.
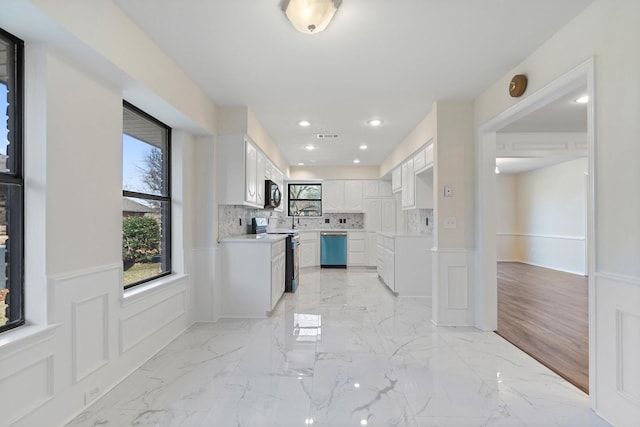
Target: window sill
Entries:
(25, 336)
(135, 294)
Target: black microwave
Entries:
(272, 194)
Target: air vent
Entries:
(327, 136)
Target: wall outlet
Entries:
(450, 222)
(327, 220)
(91, 395)
(448, 191)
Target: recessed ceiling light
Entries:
(363, 147)
(300, 163)
(356, 161)
(304, 123)
(375, 122)
(310, 147)
(583, 99)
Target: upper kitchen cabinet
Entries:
(375, 188)
(396, 179)
(417, 188)
(342, 196)
(423, 159)
(241, 170)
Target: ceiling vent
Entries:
(327, 136)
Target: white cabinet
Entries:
(404, 264)
(255, 291)
(309, 248)
(278, 263)
(417, 189)
(356, 248)
(251, 173)
(342, 196)
(423, 159)
(379, 216)
(396, 179)
(241, 171)
(408, 185)
(376, 188)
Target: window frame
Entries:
(289, 199)
(16, 178)
(167, 226)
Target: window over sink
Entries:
(305, 200)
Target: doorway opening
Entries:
(537, 246)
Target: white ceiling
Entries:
(378, 59)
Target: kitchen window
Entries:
(305, 200)
(11, 182)
(146, 197)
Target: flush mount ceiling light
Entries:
(583, 99)
(310, 16)
(375, 122)
(356, 161)
(300, 163)
(304, 123)
(363, 147)
(310, 147)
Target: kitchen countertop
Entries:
(255, 238)
(318, 230)
(394, 235)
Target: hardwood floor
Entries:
(545, 313)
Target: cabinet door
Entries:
(408, 185)
(372, 249)
(428, 155)
(372, 214)
(308, 253)
(333, 196)
(405, 183)
(384, 189)
(251, 154)
(277, 278)
(387, 216)
(396, 179)
(420, 160)
(260, 169)
(353, 196)
(389, 269)
(370, 188)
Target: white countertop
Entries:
(255, 238)
(394, 235)
(318, 230)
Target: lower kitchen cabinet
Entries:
(309, 248)
(252, 276)
(404, 263)
(356, 248)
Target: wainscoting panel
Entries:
(144, 323)
(618, 347)
(90, 338)
(452, 289)
(31, 386)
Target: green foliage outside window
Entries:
(140, 239)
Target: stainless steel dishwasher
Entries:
(333, 249)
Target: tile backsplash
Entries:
(230, 216)
(417, 221)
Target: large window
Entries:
(11, 182)
(146, 202)
(305, 199)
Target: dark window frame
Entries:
(166, 215)
(15, 179)
(289, 199)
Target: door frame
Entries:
(486, 300)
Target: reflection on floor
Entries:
(545, 313)
(341, 351)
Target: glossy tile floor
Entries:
(342, 351)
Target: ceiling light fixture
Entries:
(497, 170)
(310, 147)
(304, 123)
(310, 16)
(583, 99)
(300, 163)
(363, 147)
(375, 122)
(356, 161)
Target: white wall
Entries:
(541, 216)
(506, 230)
(608, 31)
(84, 333)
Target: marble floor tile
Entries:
(341, 351)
